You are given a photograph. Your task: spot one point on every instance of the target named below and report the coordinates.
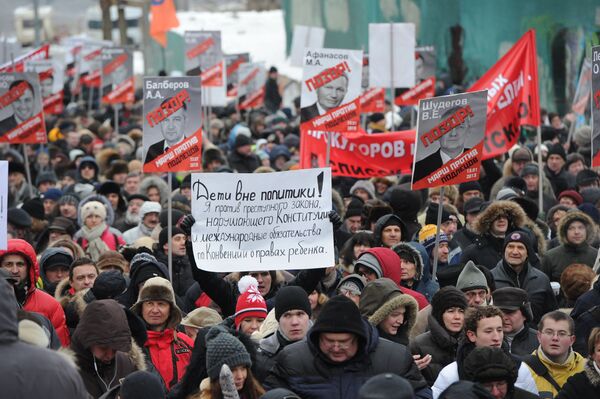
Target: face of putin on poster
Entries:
(173, 126)
(23, 106)
(453, 142)
(332, 93)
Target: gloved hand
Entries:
(186, 224)
(335, 220)
(227, 384)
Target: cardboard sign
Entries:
(330, 94)
(267, 221)
(3, 204)
(251, 91)
(117, 75)
(424, 78)
(232, 66)
(203, 57)
(21, 114)
(305, 37)
(359, 155)
(172, 124)
(393, 46)
(449, 140)
(596, 106)
(51, 76)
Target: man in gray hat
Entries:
(473, 283)
(516, 313)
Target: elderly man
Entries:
(149, 212)
(341, 352)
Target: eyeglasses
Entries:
(341, 345)
(499, 385)
(560, 334)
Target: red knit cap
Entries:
(250, 303)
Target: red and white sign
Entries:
(232, 66)
(424, 78)
(251, 89)
(117, 75)
(372, 100)
(21, 115)
(203, 56)
(19, 63)
(51, 76)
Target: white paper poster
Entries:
(304, 37)
(392, 46)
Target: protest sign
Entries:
(359, 155)
(203, 57)
(251, 90)
(272, 221)
(21, 115)
(19, 62)
(305, 37)
(393, 46)
(232, 66)
(172, 124)
(9, 50)
(117, 75)
(51, 77)
(330, 94)
(424, 78)
(3, 203)
(596, 106)
(513, 99)
(449, 140)
(90, 66)
(372, 100)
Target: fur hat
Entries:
(486, 364)
(389, 386)
(446, 298)
(250, 303)
(149, 207)
(223, 348)
(365, 185)
(110, 259)
(159, 289)
(93, 208)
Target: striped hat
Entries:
(250, 303)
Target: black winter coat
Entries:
(485, 250)
(585, 384)
(524, 342)
(303, 369)
(243, 164)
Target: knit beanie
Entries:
(250, 303)
(530, 169)
(141, 385)
(574, 195)
(369, 260)
(518, 236)
(352, 282)
(68, 199)
(35, 208)
(163, 236)
(339, 315)
(583, 136)
(241, 140)
(468, 186)
(364, 185)
(291, 297)
(586, 177)
(93, 208)
(53, 194)
(427, 236)
(354, 208)
(557, 149)
(446, 298)
(471, 278)
(486, 364)
(149, 207)
(223, 348)
(389, 386)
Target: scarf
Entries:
(96, 246)
(145, 230)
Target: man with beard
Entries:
(132, 214)
(149, 212)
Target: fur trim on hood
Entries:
(416, 255)
(110, 214)
(515, 214)
(155, 181)
(571, 217)
(105, 157)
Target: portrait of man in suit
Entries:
(46, 85)
(329, 96)
(117, 77)
(173, 132)
(452, 145)
(22, 107)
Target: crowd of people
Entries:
(89, 307)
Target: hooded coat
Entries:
(27, 371)
(37, 300)
(155, 181)
(557, 259)
(382, 221)
(422, 283)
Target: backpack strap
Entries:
(538, 367)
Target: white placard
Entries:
(3, 203)
(266, 221)
(392, 46)
(303, 37)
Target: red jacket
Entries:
(390, 266)
(166, 351)
(37, 300)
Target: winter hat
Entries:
(63, 225)
(109, 187)
(35, 208)
(473, 205)
(139, 196)
(45, 177)
(468, 186)
(149, 207)
(427, 236)
(18, 218)
(369, 260)
(388, 386)
(381, 297)
(517, 236)
(353, 282)
(241, 140)
(446, 298)
(291, 297)
(364, 185)
(93, 208)
(530, 169)
(280, 393)
(68, 199)
(506, 193)
(517, 183)
(512, 298)
(521, 154)
(557, 149)
(591, 211)
(76, 153)
(16, 167)
(163, 236)
(111, 259)
(338, 315)
(576, 280)
(466, 390)
(159, 289)
(354, 208)
(250, 303)
(202, 317)
(33, 333)
(146, 267)
(52, 194)
(109, 285)
(471, 278)
(450, 192)
(223, 348)
(528, 205)
(574, 195)
(586, 177)
(92, 327)
(55, 257)
(141, 385)
(432, 211)
(574, 157)
(486, 364)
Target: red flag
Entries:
(513, 98)
(164, 19)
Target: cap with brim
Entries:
(473, 205)
(138, 196)
(353, 280)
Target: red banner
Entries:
(19, 64)
(213, 76)
(124, 93)
(32, 131)
(345, 118)
(185, 156)
(513, 99)
(425, 89)
(359, 155)
(372, 100)
(53, 104)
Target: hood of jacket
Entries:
(110, 214)
(155, 181)
(88, 159)
(405, 203)
(45, 255)
(578, 216)
(418, 253)
(9, 331)
(515, 214)
(103, 322)
(23, 248)
(382, 221)
(389, 262)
